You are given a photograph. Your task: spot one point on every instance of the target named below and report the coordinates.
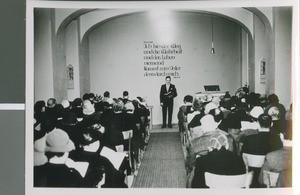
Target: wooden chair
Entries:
(254, 163)
(228, 181)
(127, 135)
(270, 178)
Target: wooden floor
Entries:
(163, 162)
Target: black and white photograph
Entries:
(160, 95)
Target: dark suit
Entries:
(167, 98)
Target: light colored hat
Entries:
(110, 101)
(129, 106)
(58, 141)
(65, 103)
(208, 123)
(40, 144)
(209, 98)
(217, 141)
(256, 111)
(210, 106)
(216, 101)
(274, 113)
(88, 108)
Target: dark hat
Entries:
(233, 121)
(77, 103)
(69, 118)
(38, 106)
(93, 119)
(273, 98)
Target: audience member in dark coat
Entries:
(56, 172)
(218, 161)
(264, 141)
(261, 143)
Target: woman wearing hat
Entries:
(56, 172)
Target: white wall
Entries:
(116, 57)
(283, 45)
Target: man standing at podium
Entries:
(167, 94)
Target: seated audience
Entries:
(183, 111)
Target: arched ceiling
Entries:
(91, 17)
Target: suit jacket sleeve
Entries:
(174, 91)
(161, 94)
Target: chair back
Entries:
(270, 178)
(127, 134)
(120, 148)
(252, 160)
(228, 181)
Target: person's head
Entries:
(51, 103)
(39, 106)
(256, 112)
(90, 132)
(77, 103)
(91, 97)
(217, 114)
(217, 141)
(69, 118)
(65, 104)
(197, 105)
(233, 122)
(136, 103)
(188, 98)
(88, 107)
(273, 99)
(129, 108)
(125, 94)
(86, 96)
(168, 80)
(210, 106)
(227, 95)
(58, 141)
(118, 106)
(274, 113)
(208, 123)
(265, 121)
(106, 94)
